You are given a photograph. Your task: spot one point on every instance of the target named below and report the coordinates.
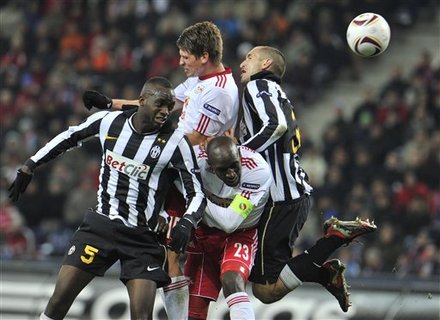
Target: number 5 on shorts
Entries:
(91, 252)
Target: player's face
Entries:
(228, 171)
(157, 104)
(251, 65)
(192, 66)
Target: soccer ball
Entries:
(368, 34)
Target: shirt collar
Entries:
(266, 75)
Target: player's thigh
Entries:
(91, 248)
(69, 284)
(202, 265)
(239, 252)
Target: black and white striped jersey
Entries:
(269, 126)
(133, 179)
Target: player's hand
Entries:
(181, 235)
(162, 225)
(230, 133)
(19, 185)
(95, 99)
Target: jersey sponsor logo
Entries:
(261, 93)
(253, 186)
(126, 166)
(211, 109)
(155, 152)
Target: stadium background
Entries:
(370, 130)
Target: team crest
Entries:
(155, 152)
(71, 250)
(242, 206)
(199, 89)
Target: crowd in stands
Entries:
(383, 164)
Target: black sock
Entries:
(307, 266)
(323, 248)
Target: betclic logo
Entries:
(126, 166)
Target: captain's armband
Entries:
(241, 205)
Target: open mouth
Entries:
(160, 119)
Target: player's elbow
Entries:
(281, 129)
(229, 228)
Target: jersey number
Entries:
(91, 252)
(242, 251)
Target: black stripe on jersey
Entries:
(130, 150)
(271, 111)
(114, 131)
(280, 162)
(162, 186)
(186, 176)
(256, 120)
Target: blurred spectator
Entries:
(16, 239)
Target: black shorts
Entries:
(278, 229)
(99, 242)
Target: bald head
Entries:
(220, 148)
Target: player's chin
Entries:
(244, 78)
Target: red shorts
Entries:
(214, 252)
(175, 207)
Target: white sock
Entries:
(240, 307)
(176, 298)
(44, 317)
(289, 279)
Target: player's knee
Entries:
(56, 308)
(267, 293)
(141, 311)
(232, 282)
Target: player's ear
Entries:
(267, 63)
(204, 57)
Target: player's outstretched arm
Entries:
(95, 99)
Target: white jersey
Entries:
(255, 182)
(210, 104)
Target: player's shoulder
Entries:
(252, 160)
(103, 114)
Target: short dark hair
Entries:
(159, 81)
(200, 38)
(278, 66)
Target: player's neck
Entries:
(143, 125)
(212, 69)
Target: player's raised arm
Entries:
(98, 100)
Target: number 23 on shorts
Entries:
(90, 254)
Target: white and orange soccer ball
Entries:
(368, 34)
